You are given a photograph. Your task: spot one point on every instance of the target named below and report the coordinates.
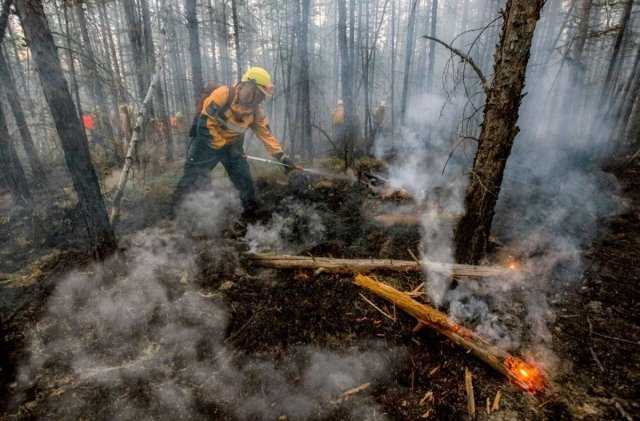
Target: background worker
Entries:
(219, 133)
(379, 116)
(337, 125)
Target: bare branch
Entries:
(464, 58)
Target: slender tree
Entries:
(407, 59)
(346, 76)
(304, 87)
(11, 167)
(194, 45)
(8, 85)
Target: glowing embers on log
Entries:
(525, 375)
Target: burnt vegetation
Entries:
(503, 178)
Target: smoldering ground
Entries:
(553, 195)
(147, 338)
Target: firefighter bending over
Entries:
(219, 133)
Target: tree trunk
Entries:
(104, 128)
(407, 59)
(194, 45)
(135, 42)
(72, 136)
(159, 94)
(583, 32)
(236, 38)
(11, 168)
(498, 129)
(346, 76)
(9, 86)
(614, 61)
(304, 86)
(432, 45)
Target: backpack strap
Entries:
(222, 110)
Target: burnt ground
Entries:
(277, 326)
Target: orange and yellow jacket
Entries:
(337, 116)
(229, 127)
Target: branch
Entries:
(4, 18)
(326, 135)
(464, 58)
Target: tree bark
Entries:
(432, 45)
(304, 86)
(72, 136)
(346, 77)
(135, 42)
(159, 94)
(583, 32)
(613, 61)
(194, 45)
(9, 86)
(236, 38)
(498, 129)
(104, 128)
(407, 60)
(12, 169)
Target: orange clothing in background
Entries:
(87, 121)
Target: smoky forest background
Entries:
(478, 135)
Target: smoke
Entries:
(297, 227)
(209, 211)
(141, 339)
(553, 196)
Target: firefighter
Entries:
(337, 124)
(225, 115)
(379, 116)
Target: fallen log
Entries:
(413, 219)
(526, 375)
(285, 261)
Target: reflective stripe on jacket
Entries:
(229, 127)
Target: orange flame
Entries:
(526, 375)
(513, 265)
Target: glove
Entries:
(288, 161)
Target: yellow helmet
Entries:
(262, 78)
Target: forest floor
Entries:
(183, 326)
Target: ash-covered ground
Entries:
(181, 325)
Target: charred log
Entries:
(524, 374)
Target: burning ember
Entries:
(513, 265)
(528, 376)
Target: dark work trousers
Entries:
(201, 159)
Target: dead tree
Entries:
(72, 135)
(498, 129)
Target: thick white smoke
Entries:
(142, 339)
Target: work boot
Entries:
(250, 215)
